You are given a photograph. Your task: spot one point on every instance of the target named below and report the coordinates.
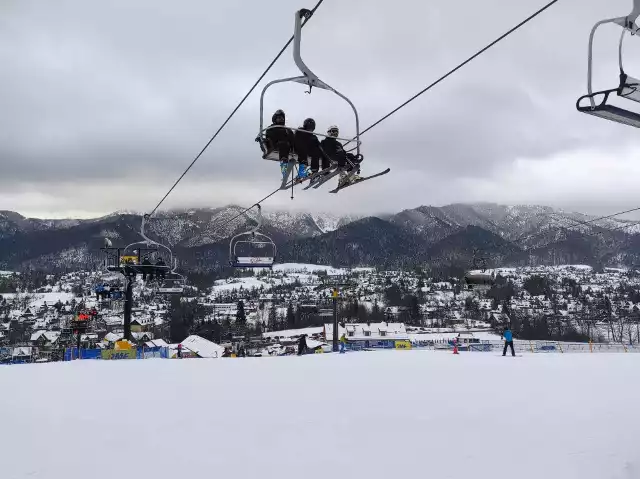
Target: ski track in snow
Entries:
(370, 415)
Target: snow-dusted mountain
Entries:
(426, 234)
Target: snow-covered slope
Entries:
(373, 415)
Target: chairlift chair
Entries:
(307, 78)
(133, 252)
(243, 248)
(174, 284)
(628, 87)
(479, 276)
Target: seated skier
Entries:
(147, 271)
(161, 273)
(279, 139)
(307, 145)
(334, 149)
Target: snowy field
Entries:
(362, 415)
(39, 299)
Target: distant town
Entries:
(263, 313)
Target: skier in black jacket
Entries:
(280, 139)
(334, 149)
(302, 345)
(307, 145)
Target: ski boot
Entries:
(303, 172)
(283, 168)
(355, 177)
(344, 179)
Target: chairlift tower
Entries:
(336, 283)
(129, 264)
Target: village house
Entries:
(370, 335)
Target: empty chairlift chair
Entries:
(252, 249)
(173, 284)
(596, 103)
(479, 276)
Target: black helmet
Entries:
(309, 124)
(278, 113)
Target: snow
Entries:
(246, 283)
(38, 299)
(373, 415)
(302, 268)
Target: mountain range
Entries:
(427, 236)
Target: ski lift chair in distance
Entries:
(628, 88)
(252, 249)
(479, 276)
(134, 254)
(307, 78)
(174, 282)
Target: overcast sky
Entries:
(103, 104)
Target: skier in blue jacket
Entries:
(508, 341)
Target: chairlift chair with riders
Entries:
(479, 276)
(307, 78)
(174, 282)
(252, 249)
(628, 87)
(135, 253)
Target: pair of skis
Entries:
(319, 178)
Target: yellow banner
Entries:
(119, 354)
(123, 344)
(403, 344)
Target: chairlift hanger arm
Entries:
(150, 241)
(258, 221)
(627, 23)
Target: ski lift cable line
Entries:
(439, 80)
(215, 135)
(468, 60)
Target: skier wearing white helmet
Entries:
(334, 149)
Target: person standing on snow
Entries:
(343, 343)
(302, 345)
(508, 341)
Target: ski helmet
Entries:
(333, 131)
(309, 124)
(278, 114)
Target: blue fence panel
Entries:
(72, 353)
(157, 352)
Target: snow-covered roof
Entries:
(51, 336)
(144, 336)
(113, 337)
(203, 347)
(154, 343)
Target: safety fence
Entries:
(523, 346)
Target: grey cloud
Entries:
(123, 94)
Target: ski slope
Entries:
(372, 415)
